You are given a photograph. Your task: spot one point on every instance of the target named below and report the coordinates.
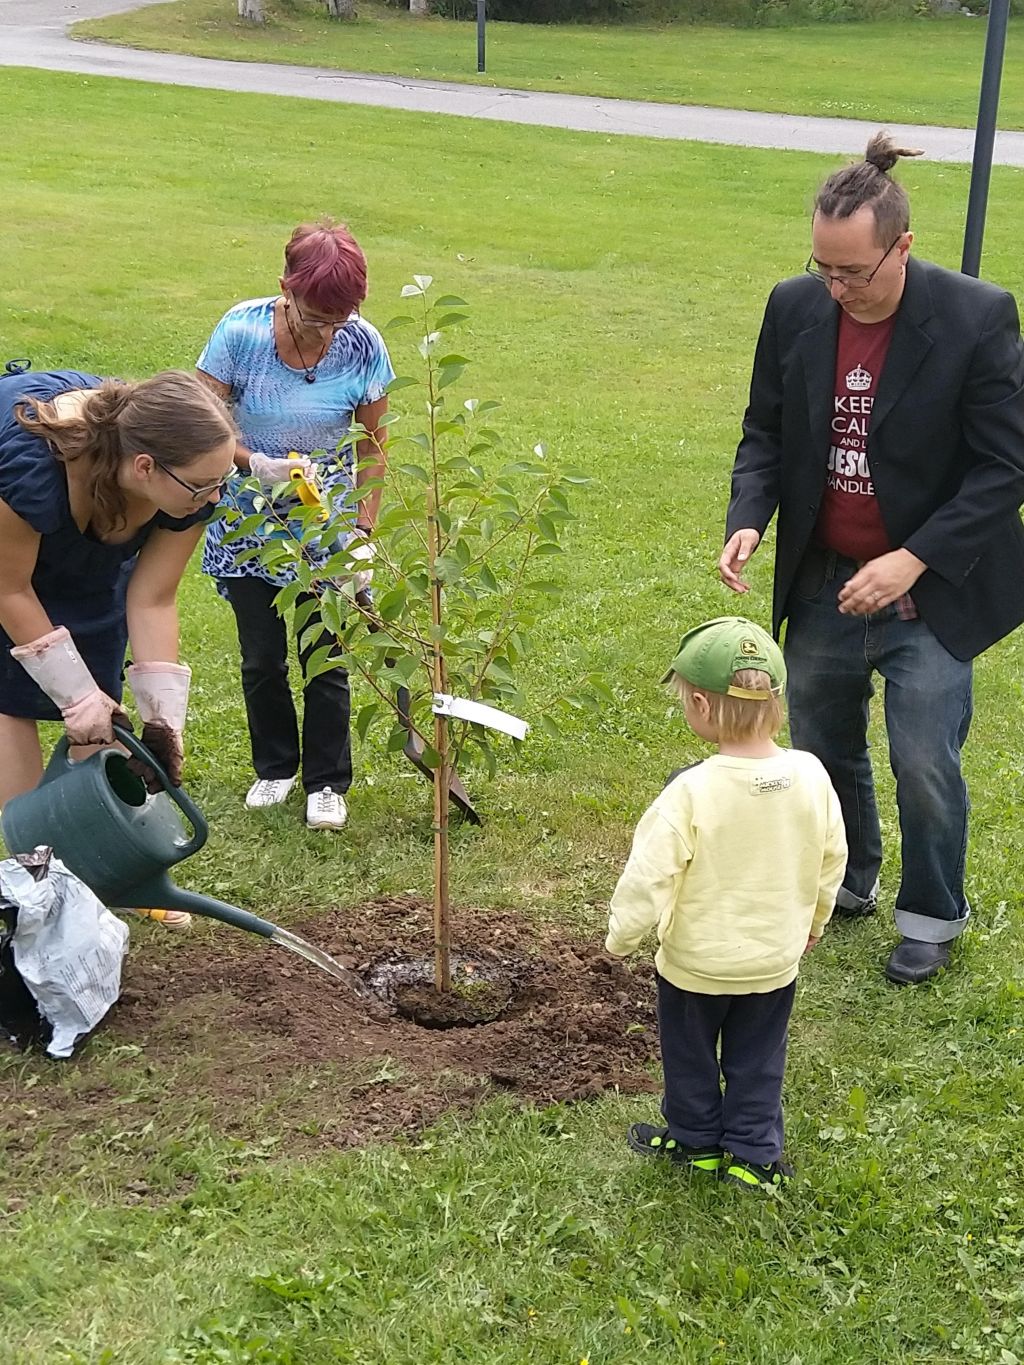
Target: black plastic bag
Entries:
(20, 1020)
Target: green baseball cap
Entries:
(710, 654)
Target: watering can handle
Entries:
(188, 808)
(60, 759)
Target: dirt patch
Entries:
(260, 1032)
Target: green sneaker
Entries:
(646, 1140)
(752, 1177)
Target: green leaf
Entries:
(546, 527)
(597, 683)
(392, 604)
(550, 728)
(548, 547)
(397, 739)
(321, 661)
(413, 471)
(452, 360)
(309, 635)
(330, 610)
(285, 599)
(303, 611)
(546, 586)
(449, 320)
(367, 715)
(448, 569)
(402, 381)
(449, 301)
(487, 579)
(403, 668)
(448, 374)
(499, 669)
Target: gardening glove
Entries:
(271, 471)
(56, 667)
(362, 550)
(161, 695)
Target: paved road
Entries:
(32, 34)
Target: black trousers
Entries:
(747, 1119)
(326, 754)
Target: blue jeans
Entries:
(830, 660)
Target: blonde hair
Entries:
(173, 417)
(736, 718)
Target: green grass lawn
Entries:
(616, 287)
(917, 72)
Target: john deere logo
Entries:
(749, 647)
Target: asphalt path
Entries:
(33, 33)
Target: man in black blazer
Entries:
(886, 427)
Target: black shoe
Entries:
(647, 1140)
(867, 907)
(913, 961)
(753, 1177)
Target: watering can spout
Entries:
(160, 893)
(96, 817)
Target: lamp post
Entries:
(985, 135)
(481, 36)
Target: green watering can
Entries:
(101, 823)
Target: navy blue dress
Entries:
(80, 581)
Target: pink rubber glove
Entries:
(161, 694)
(55, 666)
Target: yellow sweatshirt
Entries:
(737, 862)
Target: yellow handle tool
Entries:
(308, 493)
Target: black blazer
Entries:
(945, 445)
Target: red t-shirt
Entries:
(849, 519)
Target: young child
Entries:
(738, 863)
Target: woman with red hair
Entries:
(298, 369)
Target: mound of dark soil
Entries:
(251, 1017)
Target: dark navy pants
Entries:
(273, 729)
(747, 1119)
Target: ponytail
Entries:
(868, 182)
(173, 417)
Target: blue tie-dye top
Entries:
(279, 412)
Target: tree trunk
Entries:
(341, 9)
(442, 773)
(251, 10)
(419, 7)
(442, 917)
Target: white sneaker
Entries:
(326, 810)
(268, 791)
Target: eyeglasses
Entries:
(829, 278)
(336, 324)
(197, 493)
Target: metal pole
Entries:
(985, 135)
(481, 37)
